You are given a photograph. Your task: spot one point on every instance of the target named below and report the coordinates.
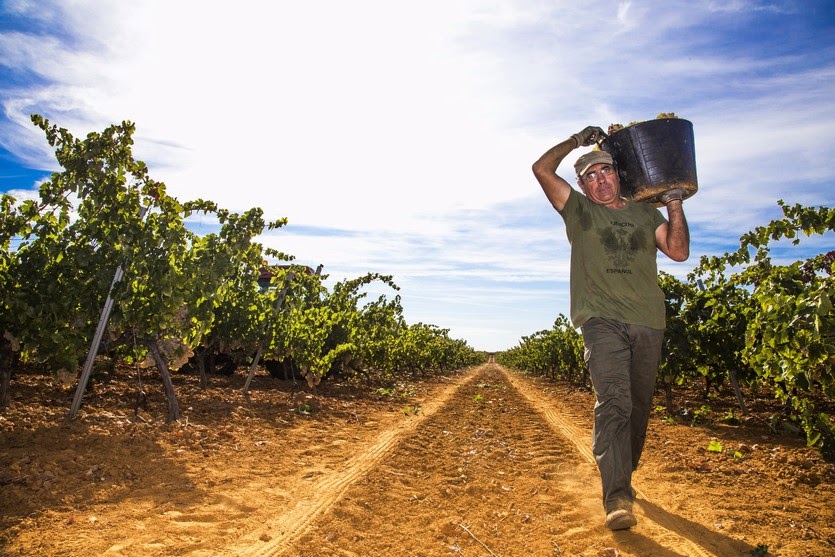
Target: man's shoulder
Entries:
(647, 211)
(642, 206)
(574, 197)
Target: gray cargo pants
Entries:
(623, 361)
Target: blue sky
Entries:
(398, 137)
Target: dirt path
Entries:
(484, 463)
(492, 469)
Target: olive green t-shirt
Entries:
(614, 273)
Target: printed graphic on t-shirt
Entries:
(621, 243)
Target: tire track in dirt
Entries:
(332, 486)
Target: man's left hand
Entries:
(675, 194)
(588, 136)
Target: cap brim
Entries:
(590, 159)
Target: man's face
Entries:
(601, 184)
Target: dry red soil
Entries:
(483, 462)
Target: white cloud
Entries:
(412, 128)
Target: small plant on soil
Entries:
(760, 551)
(699, 416)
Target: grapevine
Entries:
(102, 230)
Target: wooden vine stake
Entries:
(731, 373)
(278, 303)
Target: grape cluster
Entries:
(661, 116)
(828, 262)
(823, 262)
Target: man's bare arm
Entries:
(673, 238)
(556, 189)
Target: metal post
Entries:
(94, 347)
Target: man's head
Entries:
(598, 178)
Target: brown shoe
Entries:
(620, 519)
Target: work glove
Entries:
(672, 195)
(588, 136)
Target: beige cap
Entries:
(591, 158)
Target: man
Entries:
(616, 302)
